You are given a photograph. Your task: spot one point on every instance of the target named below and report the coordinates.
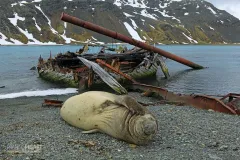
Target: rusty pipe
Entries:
(93, 27)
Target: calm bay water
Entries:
(222, 76)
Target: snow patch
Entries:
(101, 43)
(164, 14)
(211, 10)
(175, 42)
(137, 4)
(14, 4)
(211, 28)
(36, 1)
(64, 36)
(133, 3)
(17, 42)
(37, 26)
(170, 1)
(3, 40)
(22, 3)
(189, 38)
(132, 32)
(15, 19)
(94, 38)
(65, 25)
(182, 26)
(134, 24)
(118, 3)
(151, 26)
(185, 14)
(128, 15)
(146, 14)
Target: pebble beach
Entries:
(30, 131)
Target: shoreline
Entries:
(29, 131)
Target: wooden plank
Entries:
(107, 78)
(163, 67)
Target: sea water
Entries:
(221, 76)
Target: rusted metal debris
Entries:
(52, 103)
(198, 101)
(76, 21)
(232, 100)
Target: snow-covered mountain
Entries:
(159, 21)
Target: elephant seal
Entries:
(119, 116)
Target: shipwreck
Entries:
(67, 69)
(83, 71)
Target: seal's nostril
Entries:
(149, 128)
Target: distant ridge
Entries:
(154, 21)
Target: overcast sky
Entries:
(231, 6)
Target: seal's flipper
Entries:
(90, 131)
(131, 104)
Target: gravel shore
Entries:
(29, 131)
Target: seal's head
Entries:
(144, 129)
